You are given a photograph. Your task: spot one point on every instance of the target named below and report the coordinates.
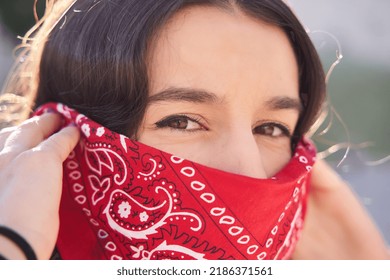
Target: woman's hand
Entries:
(31, 157)
(337, 225)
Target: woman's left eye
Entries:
(180, 122)
(272, 130)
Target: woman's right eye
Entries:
(180, 122)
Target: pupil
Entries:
(181, 123)
(268, 130)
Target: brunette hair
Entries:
(92, 56)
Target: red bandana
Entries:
(125, 200)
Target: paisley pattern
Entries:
(125, 200)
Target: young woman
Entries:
(231, 86)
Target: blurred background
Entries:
(359, 87)
(359, 92)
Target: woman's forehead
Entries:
(216, 30)
(222, 51)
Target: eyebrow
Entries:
(203, 96)
(184, 94)
(284, 102)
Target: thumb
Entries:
(61, 143)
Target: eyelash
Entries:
(166, 123)
(284, 129)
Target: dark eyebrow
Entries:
(184, 94)
(202, 96)
(284, 102)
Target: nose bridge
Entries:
(243, 155)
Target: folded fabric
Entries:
(126, 200)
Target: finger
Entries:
(35, 175)
(60, 144)
(30, 133)
(48, 156)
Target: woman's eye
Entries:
(180, 123)
(272, 130)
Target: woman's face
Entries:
(223, 92)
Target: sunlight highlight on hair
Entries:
(330, 115)
(16, 96)
(330, 112)
(377, 162)
(345, 145)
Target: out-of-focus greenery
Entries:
(360, 94)
(18, 15)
